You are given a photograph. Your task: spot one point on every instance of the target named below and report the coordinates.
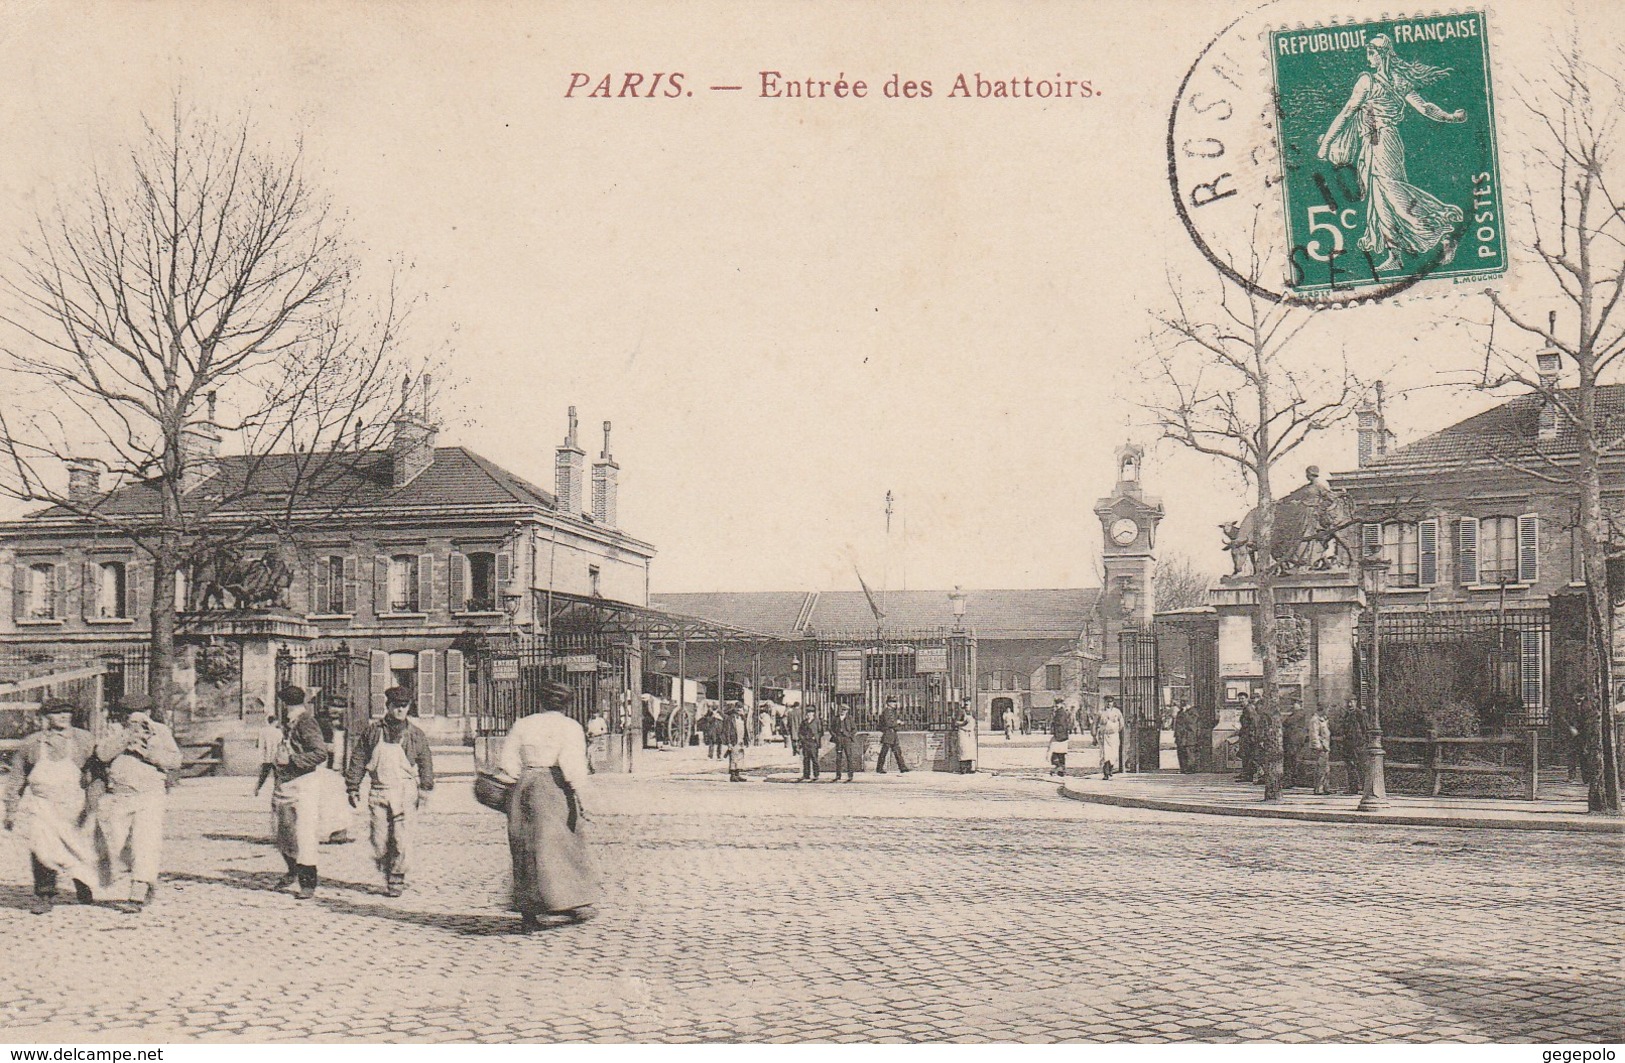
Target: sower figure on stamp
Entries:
(843, 730)
(393, 755)
(45, 801)
(138, 752)
(888, 739)
(1399, 216)
(297, 799)
(808, 739)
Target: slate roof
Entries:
(456, 477)
(1509, 431)
(995, 614)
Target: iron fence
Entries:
(602, 671)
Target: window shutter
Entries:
(380, 585)
(456, 682)
(428, 687)
(320, 587)
(456, 564)
(1427, 540)
(1528, 548)
(89, 599)
(1529, 668)
(1467, 550)
(135, 591)
(425, 583)
(59, 606)
(380, 681)
(19, 590)
(1370, 539)
(348, 602)
(504, 573)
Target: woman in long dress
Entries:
(1399, 217)
(545, 757)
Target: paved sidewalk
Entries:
(1221, 795)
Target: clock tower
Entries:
(1128, 525)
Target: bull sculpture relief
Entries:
(226, 579)
(1312, 533)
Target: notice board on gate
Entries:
(848, 671)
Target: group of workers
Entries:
(90, 807)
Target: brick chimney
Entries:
(411, 449)
(1372, 421)
(200, 450)
(570, 472)
(84, 480)
(606, 485)
(1549, 368)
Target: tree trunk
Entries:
(161, 641)
(1268, 735)
(1599, 760)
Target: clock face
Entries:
(1124, 531)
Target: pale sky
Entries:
(787, 307)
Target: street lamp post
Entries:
(1374, 577)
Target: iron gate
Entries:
(929, 672)
(1188, 667)
(1142, 713)
(604, 673)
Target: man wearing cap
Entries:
(843, 730)
(888, 739)
(297, 797)
(138, 752)
(394, 755)
(45, 800)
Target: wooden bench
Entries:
(1434, 758)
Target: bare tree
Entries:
(1220, 382)
(198, 291)
(1578, 219)
(1179, 584)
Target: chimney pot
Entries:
(606, 486)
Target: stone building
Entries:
(406, 558)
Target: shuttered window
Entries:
(456, 683)
(1467, 551)
(1427, 535)
(380, 680)
(333, 585)
(1528, 548)
(428, 682)
(39, 590)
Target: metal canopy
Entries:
(570, 611)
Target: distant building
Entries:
(1033, 647)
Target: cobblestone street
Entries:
(921, 909)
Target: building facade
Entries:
(1480, 520)
(407, 559)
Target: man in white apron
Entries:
(138, 753)
(296, 800)
(394, 755)
(45, 800)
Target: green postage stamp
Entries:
(1387, 138)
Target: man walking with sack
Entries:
(394, 755)
(139, 753)
(297, 799)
